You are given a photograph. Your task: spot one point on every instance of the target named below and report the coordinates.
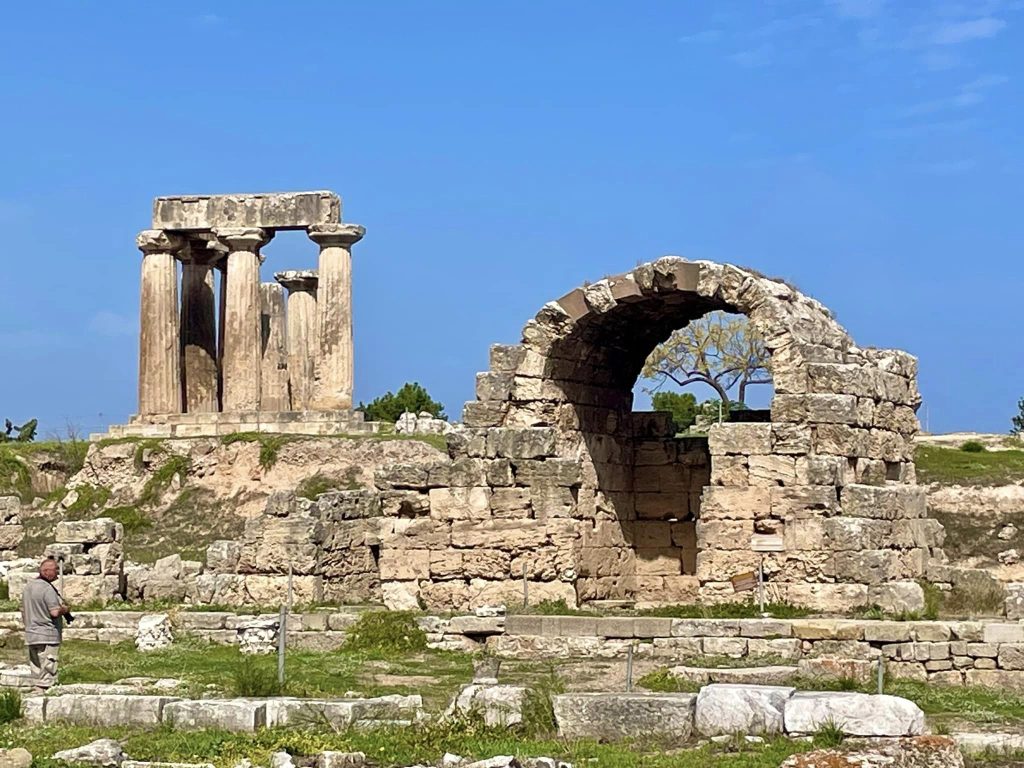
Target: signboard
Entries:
(767, 542)
(744, 582)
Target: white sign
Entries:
(767, 542)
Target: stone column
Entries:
(334, 371)
(198, 332)
(242, 342)
(301, 287)
(159, 333)
(274, 365)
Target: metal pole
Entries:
(760, 584)
(526, 588)
(629, 668)
(60, 572)
(282, 628)
(881, 675)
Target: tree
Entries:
(411, 397)
(682, 406)
(719, 349)
(1018, 420)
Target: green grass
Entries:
(396, 746)
(14, 474)
(90, 499)
(312, 487)
(254, 677)
(10, 706)
(383, 634)
(270, 444)
(130, 517)
(176, 465)
(952, 466)
(828, 736)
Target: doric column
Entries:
(274, 365)
(242, 342)
(198, 331)
(159, 339)
(334, 371)
(301, 287)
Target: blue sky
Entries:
(500, 154)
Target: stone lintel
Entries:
(281, 210)
(298, 279)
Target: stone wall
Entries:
(550, 481)
(12, 531)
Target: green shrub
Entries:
(538, 710)
(14, 475)
(682, 406)
(255, 679)
(10, 706)
(932, 600)
(312, 487)
(973, 446)
(270, 444)
(386, 633)
(5, 590)
(90, 499)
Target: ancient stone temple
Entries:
(219, 350)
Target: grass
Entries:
(90, 499)
(436, 675)
(383, 634)
(828, 736)
(187, 526)
(393, 746)
(130, 518)
(14, 474)
(270, 444)
(952, 466)
(256, 678)
(175, 466)
(10, 706)
(312, 487)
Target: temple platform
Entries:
(228, 422)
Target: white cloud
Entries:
(957, 32)
(106, 323)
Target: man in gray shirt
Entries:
(42, 612)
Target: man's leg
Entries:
(43, 660)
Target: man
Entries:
(43, 611)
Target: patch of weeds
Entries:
(91, 498)
(14, 475)
(973, 446)
(981, 597)
(552, 608)
(876, 613)
(312, 487)
(729, 662)
(538, 710)
(932, 599)
(5, 590)
(130, 517)
(10, 706)
(148, 445)
(828, 736)
(727, 611)
(270, 444)
(255, 679)
(385, 633)
(846, 684)
(154, 488)
(660, 681)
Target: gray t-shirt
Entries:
(40, 627)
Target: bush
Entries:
(1017, 422)
(10, 706)
(255, 679)
(386, 633)
(411, 397)
(828, 735)
(973, 446)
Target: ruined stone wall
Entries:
(546, 473)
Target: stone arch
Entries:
(833, 472)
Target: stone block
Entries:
(815, 409)
(525, 443)
(999, 679)
(107, 710)
(284, 210)
(897, 597)
(661, 717)
(764, 628)
(724, 709)
(732, 647)
(291, 712)
(499, 706)
(1011, 656)
(722, 503)
(239, 715)
(460, 503)
(858, 714)
(884, 502)
(101, 530)
(740, 438)
(1004, 633)
(771, 470)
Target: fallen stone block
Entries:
(154, 632)
(341, 760)
(309, 712)
(105, 752)
(101, 530)
(666, 717)
(15, 758)
(724, 709)
(225, 714)
(920, 752)
(858, 714)
(498, 705)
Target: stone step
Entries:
(770, 675)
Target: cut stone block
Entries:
(225, 714)
(614, 716)
(858, 714)
(724, 709)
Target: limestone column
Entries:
(301, 321)
(198, 332)
(242, 342)
(274, 364)
(159, 337)
(334, 369)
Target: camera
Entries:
(69, 617)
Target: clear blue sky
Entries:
(500, 154)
